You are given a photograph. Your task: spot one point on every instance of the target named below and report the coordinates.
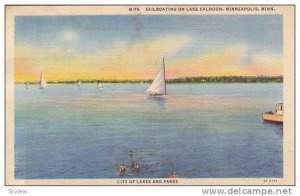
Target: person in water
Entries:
(174, 175)
(132, 164)
(130, 153)
(137, 167)
(122, 169)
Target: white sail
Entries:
(43, 82)
(27, 85)
(158, 86)
(79, 83)
(99, 85)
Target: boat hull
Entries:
(272, 117)
(156, 94)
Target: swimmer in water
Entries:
(132, 164)
(174, 175)
(130, 153)
(122, 170)
(135, 166)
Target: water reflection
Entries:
(160, 101)
(277, 128)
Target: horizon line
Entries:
(150, 80)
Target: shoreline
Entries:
(182, 80)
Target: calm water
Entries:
(199, 131)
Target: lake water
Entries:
(199, 131)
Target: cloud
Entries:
(226, 62)
(140, 61)
(121, 61)
(167, 46)
(246, 57)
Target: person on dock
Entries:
(122, 169)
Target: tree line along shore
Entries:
(200, 79)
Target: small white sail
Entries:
(158, 86)
(79, 83)
(99, 85)
(43, 82)
(27, 85)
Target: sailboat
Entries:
(43, 82)
(79, 83)
(27, 85)
(158, 86)
(99, 85)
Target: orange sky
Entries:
(132, 47)
(139, 61)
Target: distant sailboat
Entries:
(43, 82)
(158, 86)
(79, 83)
(27, 85)
(99, 85)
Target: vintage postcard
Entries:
(150, 95)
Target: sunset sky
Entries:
(132, 47)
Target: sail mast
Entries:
(164, 75)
